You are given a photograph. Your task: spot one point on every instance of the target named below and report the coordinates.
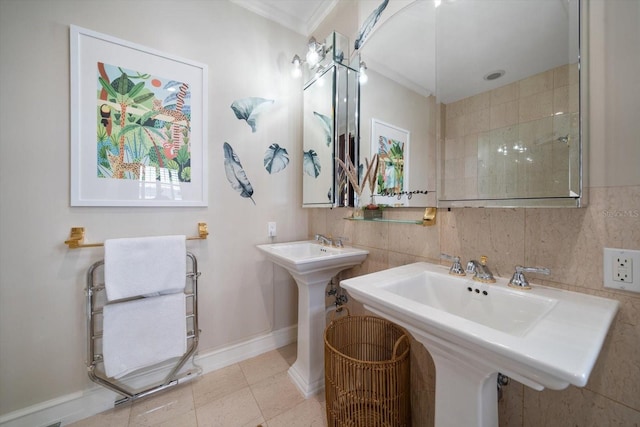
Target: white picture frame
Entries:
(156, 153)
(391, 144)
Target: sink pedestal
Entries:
(312, 266)
(307, 373)
(466, 390)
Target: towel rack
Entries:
(95, 302)
(76, 237)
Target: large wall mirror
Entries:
(496, 88)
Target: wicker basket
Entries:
(366, 362)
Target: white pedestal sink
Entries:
(543, 337)
(312, 265)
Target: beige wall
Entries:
(42, 329)
(42, 333)
(568, 241)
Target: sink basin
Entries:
(307, 258)
(312, 265)
(543, 337)
(505, 310)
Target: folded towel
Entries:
(143, 332)
(144, 266)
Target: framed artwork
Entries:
(391, 144)
(138, 125)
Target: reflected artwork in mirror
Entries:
(493, 94)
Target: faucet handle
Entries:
(338, 241)
(518, 280)
(449, 257)
(456, 268)
(541, 270)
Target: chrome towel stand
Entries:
(96, 299)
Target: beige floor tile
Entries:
(217, 384)
(238, 409)
(263, 366)
(276, 395)
(165, 406)
(309, 413)
(112, 418)
(187, 419)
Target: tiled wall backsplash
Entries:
(519, 139)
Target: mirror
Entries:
(398, 107)
(329, 127)
(504, 79)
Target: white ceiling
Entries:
(301, 16)
(471, 39)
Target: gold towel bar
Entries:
(76, 237)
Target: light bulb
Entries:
(296, 71)
(363, 78)
(312, 57)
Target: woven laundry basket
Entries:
(366, 361)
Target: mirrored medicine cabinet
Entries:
(330, 126)
(488, 97)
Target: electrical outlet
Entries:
(271, 229)
(622, 269)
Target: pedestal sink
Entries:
(312, 265)
(543, 337)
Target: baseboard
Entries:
(76, 406)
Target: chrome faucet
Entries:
(519, 281)
(323, 239)
(480, 271)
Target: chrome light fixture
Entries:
(315, 54)
(362, 72)
(296, 71)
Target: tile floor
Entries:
(255, 392)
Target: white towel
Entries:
(144, 266)
(143, 332)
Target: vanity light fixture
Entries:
(363, 78)
(296, 71)
(315, 54)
